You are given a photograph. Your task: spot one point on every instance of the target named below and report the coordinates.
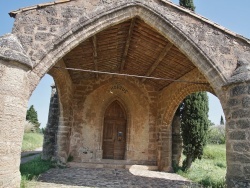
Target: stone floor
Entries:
(111, 178)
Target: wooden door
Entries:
(114, 132)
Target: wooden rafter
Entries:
(159, 59)
(125, 53)
(95, 54)
(179, 78)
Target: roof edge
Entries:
(214, 24)
(15, 12)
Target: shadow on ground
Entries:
(89, 177)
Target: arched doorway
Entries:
(114, 132)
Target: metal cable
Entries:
(130, 75)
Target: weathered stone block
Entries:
(246, 102)
(237, 182)
(231, 124)
(235, 170)
(42, 36)
(242, 124)
(239, 90)
(241, 147)
(247, 170)
(233, 102)
(72, 12)
(241, 113)
(51, 11)
(53, 21)
(237, 135)
(233, 157)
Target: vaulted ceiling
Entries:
(131, 47)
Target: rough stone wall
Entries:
(237, 112)
(92, 97)
(50, 132)
(13, 106)
(65, 91)
(238, 135)
(176, 140)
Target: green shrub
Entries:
(31, 170)
(210, 171)
(29, 127)
(216, 135)
(32, 141)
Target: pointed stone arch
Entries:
(74, 35)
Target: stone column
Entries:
(165, 149)
(176, 140)
(14, 93)
(238, 127)
(50, 133)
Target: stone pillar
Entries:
(238, 127)
(50, 133)
(176, 140)
(14, 93)
(165, 149)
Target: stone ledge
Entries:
(241, 74)
(12, 50)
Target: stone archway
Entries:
(44, 35)
(168, 103)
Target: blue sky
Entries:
(231, 14)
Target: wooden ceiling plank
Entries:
(125, 53)
(159, 59)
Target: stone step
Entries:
(95, 165)
(111, 165)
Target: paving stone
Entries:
(110, 178)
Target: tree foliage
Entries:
(189, 4)
(31, 116)
(216, 135)
(194, 126)
(222, 121)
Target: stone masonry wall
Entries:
(13, 106)
(176, 140)
(238, 135)
(65, 91)
(51, 130)
(48, 33)
(92, 97)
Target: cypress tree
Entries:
(221, 121)
(31, 116)
(194, 126)
(187, 4)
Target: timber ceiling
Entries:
(131, 47)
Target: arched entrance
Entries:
(114, 132)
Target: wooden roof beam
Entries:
(95, 54)
(163, 53)
(125, 53)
